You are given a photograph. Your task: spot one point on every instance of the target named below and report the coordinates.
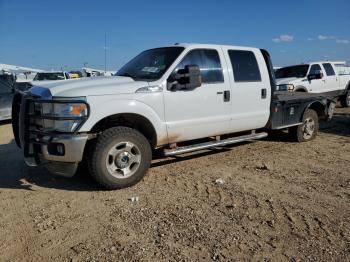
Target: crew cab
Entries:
(317, 77)
(175, 99)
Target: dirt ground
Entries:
(279, 201)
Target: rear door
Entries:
(331, 80)
(204, 111)
(251, 89)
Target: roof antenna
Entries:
(105, 48)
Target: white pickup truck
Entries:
(316, 77)
(176, 99)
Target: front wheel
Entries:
(345, 99)
(121, 158)
(308, 129)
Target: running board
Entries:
(229, 141)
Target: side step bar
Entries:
(229, 141)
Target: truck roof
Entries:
(53, 72)
(196, 45)
(317, 62)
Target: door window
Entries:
(315, 69)
(329, 69)
(245, 66)
(209, 64)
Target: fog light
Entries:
(56, 149)
(60, 149)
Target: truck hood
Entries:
(290, 80)
(92, 86)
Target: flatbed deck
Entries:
(288, 108)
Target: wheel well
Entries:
(320, 110)
(300, 90)
(135, 121)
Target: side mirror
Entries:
(316, 75)
(188, 78)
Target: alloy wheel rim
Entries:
(123, 160)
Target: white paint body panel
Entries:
(180, 115)
(201, 112)
(249, 109)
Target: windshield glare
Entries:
(292, 71)
(48, 76)
(151, 64)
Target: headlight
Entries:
(63, 116)
(286, 87)
(65, 109)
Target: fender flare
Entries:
(323, 108)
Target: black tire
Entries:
(101, 161)
(345, 99)
(308, 130)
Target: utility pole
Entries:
(105, 47)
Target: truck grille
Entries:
(30, 126)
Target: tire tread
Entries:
(103, 140)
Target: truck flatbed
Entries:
(287, 108)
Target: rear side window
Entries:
(209, 64)
(315, 69)
(245, 66)
(329, 69)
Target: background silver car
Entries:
(6, 95)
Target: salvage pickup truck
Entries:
(315, 77)
(175, 99)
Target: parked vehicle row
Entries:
(175, 99)
(317, 77)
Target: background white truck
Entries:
(51, 76)
(316, 77)
(176, 99)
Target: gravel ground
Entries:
(272, 200)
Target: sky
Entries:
(68, 34)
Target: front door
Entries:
(204, 111)
(317, 85)
(331, 83)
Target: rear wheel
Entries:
(308, 129)
(121, 158)
(345, 99)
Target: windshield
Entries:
(292, 71)
(150, 64)
(49, 76)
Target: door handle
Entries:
(226, 96)
(263, 93)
